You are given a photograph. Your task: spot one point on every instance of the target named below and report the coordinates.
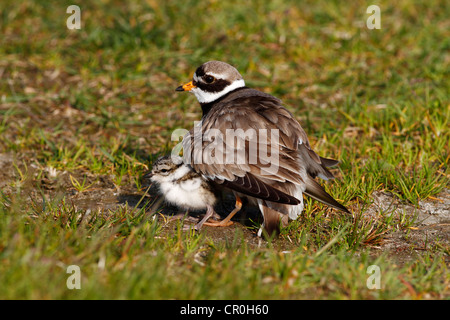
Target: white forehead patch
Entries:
(196, 78)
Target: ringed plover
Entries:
(230, 107)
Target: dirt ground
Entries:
(431, 225)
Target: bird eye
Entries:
(209, 79)
(164, 170)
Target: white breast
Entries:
(188, 194)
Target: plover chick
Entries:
(186, 189)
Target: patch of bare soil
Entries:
(430, 228)
(6, 169)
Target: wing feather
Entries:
(243, 165)
(252, 186)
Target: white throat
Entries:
(207, 97)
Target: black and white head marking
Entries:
(215, 79)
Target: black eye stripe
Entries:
(216, 86)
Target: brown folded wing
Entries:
(251, 143)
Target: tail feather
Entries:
(272, 220)
(329, 162)
(315, 191)
(316, 166)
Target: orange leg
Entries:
(226, 222)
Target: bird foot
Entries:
(222, 223)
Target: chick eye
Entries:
(209, 79)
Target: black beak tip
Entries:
(147, 176)
(180, 88)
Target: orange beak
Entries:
(186, 87)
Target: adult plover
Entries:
(256, 122)
(185, 188)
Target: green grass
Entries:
(100, 102)
(130, 256)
